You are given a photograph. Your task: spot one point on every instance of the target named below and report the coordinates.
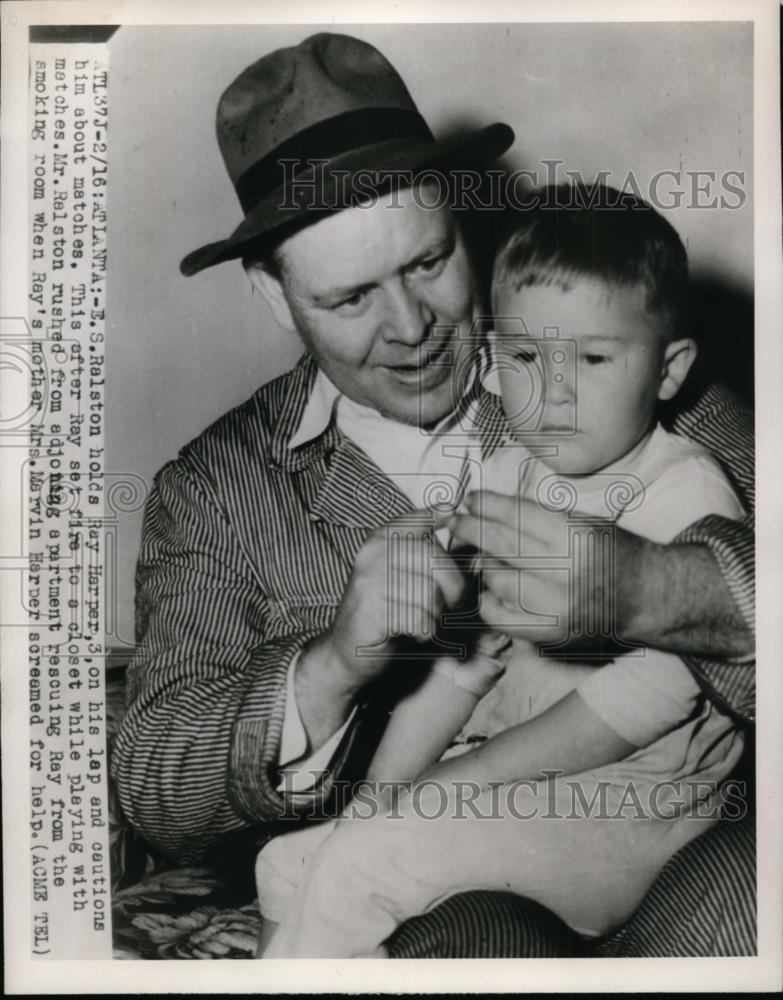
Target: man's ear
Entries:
(272, 290)
(677, 360)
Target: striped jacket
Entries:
(246, 550)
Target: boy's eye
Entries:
(526, 357)
(595, 359)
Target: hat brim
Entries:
(276, 216)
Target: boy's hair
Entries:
(573, 232)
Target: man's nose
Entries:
(408, 316)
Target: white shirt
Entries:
(663, 485)
(429, 467)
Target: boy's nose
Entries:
(560, 388)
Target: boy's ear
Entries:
(677, 360)
(272, 290)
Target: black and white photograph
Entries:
(384, 398)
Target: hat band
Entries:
(326, 139)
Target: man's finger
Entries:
(502, 583)
(451, 582)
(498, 506)
(498, 614)
(466, 529)
(418, 587)
(441, 517)
(495, 538)
(413, 618)
(424, 557)
(511, 618)
(524, 516)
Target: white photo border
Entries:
(761, 973)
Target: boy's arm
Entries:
(425, 721)
(420, 728)
(568, 738)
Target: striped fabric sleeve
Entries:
(731, 683)
(703, 903)
(723, 424)
(733, 545)
(204, 687)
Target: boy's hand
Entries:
(492, 643)
(476, 675)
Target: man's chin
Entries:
(413, 406)
(423, 418)
(424, 411)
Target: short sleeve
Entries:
(642, 695)
(645, 694)
(682, 495)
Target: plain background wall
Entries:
(181, 351)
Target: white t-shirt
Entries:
(648, 697)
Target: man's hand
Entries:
(550, 579)
(547, 578)
(394, 592)
(401, 584)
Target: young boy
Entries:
(577, 782)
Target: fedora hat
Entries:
(298, 127)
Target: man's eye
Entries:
(526, 357)
(430, 266)
(352, 302)
(595, 359)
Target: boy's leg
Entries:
(372, 875)
(265, 935)
(280, 868)
(702, 904)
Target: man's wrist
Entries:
(640, 576)
(673, 597)
(322, 676)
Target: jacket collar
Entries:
(318, 410)
(355, 492)
(491, 426)
(306, 429)
(293, 404)
(346, 488)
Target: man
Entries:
(264, 604)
